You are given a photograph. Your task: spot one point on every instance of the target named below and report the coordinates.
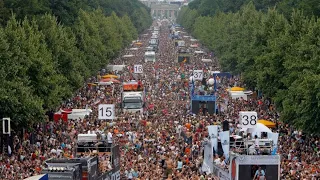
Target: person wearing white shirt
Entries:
(109, 138)
(217, 160)
(223, 163)
(91, 131)
(53, 151)
(256, 141)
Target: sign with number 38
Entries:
(248, 119)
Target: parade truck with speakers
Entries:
(133, 97)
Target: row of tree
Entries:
(212, 7)
(45, 57)
(67, 12)
(274, 54)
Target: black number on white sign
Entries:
(249, 120)
(138, 69)
(106, 112)
(197, 75)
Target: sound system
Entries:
(225, 125)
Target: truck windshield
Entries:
(153, 41)
(132, 103)
(149, 57)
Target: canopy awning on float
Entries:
(110, 80)
(109, 76)
(267, 123)
(236, 89)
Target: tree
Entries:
(300, 107)
(67, 58)
(35, 61)
(274, 52)
(17, 99)
(49, 47)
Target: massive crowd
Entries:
(166, 141)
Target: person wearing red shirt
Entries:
(139, 84)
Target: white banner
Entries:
(213, 133)
(207, 165)
(274, 137)
(258, 160)
(225, 142)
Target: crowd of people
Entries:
(165, 142)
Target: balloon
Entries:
(211, 81)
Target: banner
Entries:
(213, 133)
(274, 137)
(207, 165)
(116, 157)
(225, 142)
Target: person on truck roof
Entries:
(139, 84)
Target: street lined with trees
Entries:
(274, 46)
(49, 48)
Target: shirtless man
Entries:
(169, 166)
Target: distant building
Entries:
(150, 2)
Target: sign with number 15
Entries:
(106, 111)
(248, 119)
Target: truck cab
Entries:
(150, 56)
(133, 98)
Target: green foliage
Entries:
(212, 7)
(17, 99)
(67, 11)
(274, 52)
(49, 47)
(67, 57)
(188, 17)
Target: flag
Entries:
(192, 87)
(225, 142)
(213, 132)
(207, 165)
(185, 60)
(274, 151)
(274, 137)
(9, 150)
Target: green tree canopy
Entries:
(48, 48)
(276, 50)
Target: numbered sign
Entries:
(248, 119)
(6, 129)
(106, 111)
(198, 75)
(138, 69)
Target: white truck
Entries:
(133, 99)
(150, 56)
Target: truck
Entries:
(154, 42)
(133, 98)
(150, 56)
